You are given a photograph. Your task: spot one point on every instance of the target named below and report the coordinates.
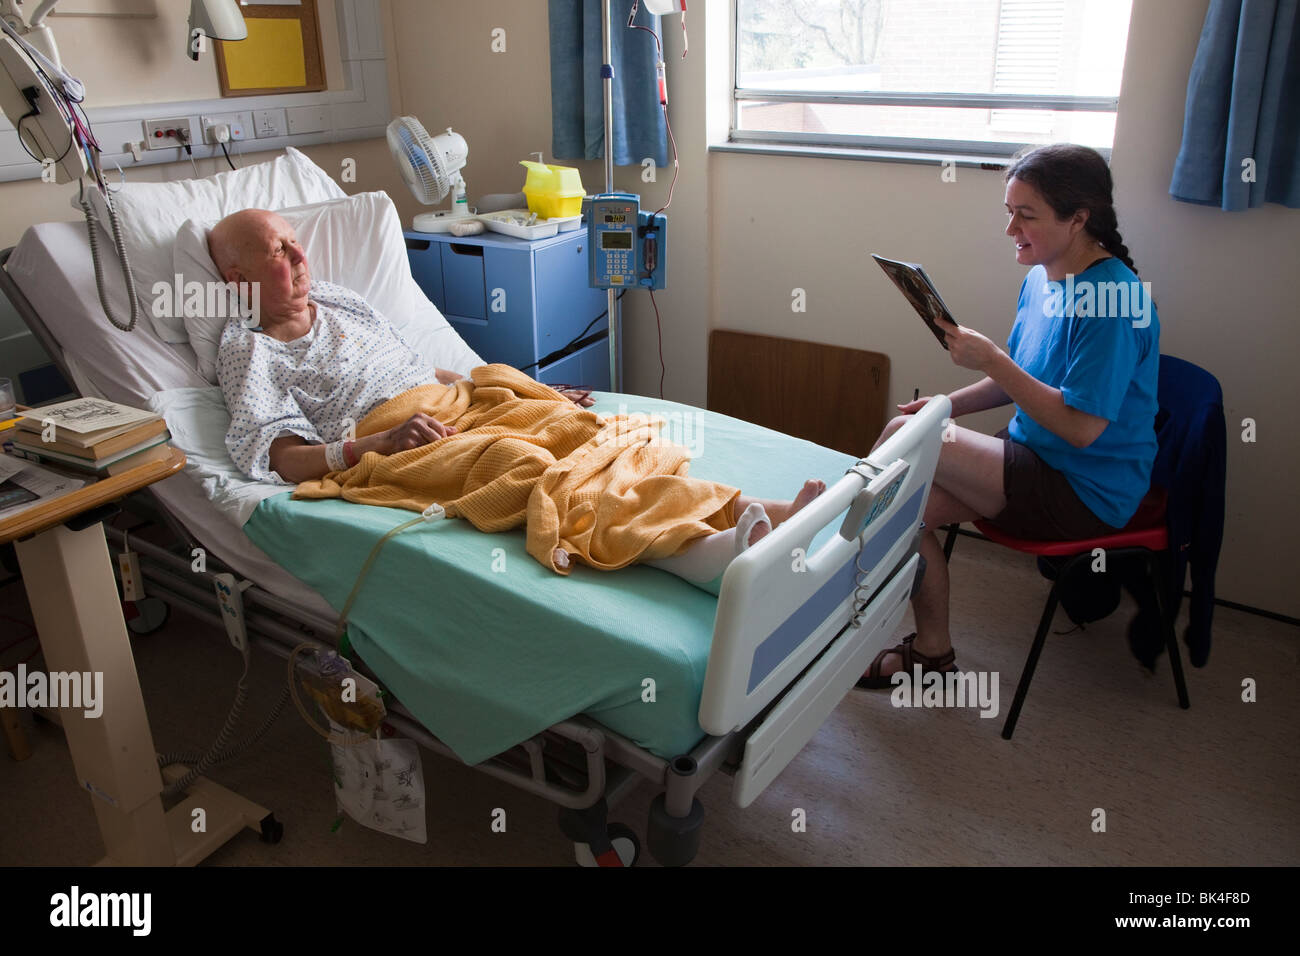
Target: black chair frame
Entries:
(1155, 565)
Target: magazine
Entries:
(920, 291)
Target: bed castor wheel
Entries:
(145, 615)
(614, 843)
(674, 841)
(625, 849)
(272, 829)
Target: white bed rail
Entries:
(780, 604)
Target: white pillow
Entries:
(151, 213)
(355, 242)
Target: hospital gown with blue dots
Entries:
(352, 361)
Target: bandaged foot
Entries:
(704, 562)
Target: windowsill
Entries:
(995, 163)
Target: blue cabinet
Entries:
(518, 302)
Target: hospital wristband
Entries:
(334, 456)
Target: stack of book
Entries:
(90, 436)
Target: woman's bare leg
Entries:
(967, 485)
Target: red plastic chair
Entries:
(1145, 536)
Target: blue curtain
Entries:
(577, 104)
(1243, 103)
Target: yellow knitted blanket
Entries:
(608, 491)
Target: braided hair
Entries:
(1071, 178)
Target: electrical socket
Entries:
(167, 133)
(237, 124)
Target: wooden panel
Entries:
(828, 394)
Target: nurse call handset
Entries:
(625, 245)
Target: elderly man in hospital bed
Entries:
(498, 449)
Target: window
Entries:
(950, 77)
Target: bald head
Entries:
(259, 247)
(242, 237)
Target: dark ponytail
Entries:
(1071, 178)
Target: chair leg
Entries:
(1044, 625)
(950, 540)
(1156, 566)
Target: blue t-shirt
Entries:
(1096, 337)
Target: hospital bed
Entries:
(576, 689)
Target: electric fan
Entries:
(431, 166)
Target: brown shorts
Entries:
(1041, 504)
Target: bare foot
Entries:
(782, 511)
(779, 511)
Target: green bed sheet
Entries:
(487, 648)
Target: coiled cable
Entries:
(861, 595)
(210, 758)
(120, 248)
(191, 757)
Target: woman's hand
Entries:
(914, 406)
(966, 347)
(446, 377)
(418, 430)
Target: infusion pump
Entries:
(626, 246)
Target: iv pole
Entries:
(607, 82)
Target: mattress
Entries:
(487, 647)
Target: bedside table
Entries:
(78, 613)
(516, 301)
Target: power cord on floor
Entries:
(222, 750)
(209, 759)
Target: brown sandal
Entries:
(873, 679)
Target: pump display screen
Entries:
(615, 218)
(616, 240)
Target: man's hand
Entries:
(418, 430)
(579, 396)
(966, 347)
